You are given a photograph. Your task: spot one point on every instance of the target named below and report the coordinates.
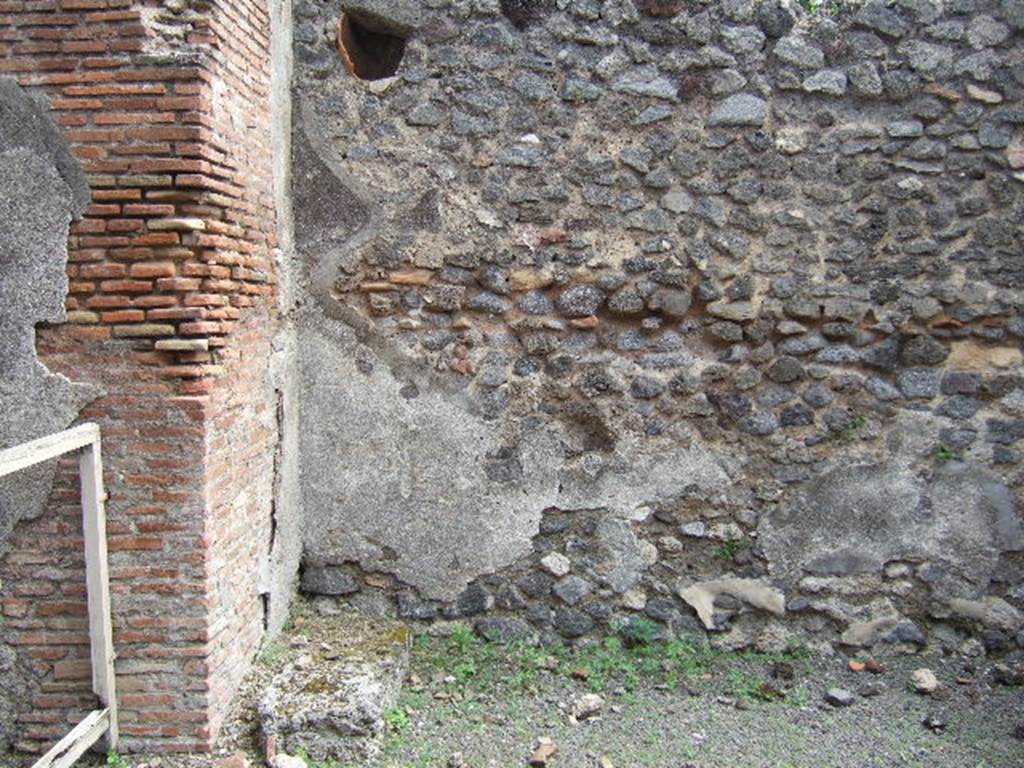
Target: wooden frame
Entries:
(84, 439)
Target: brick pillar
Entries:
(171, 310)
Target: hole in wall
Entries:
(368, 54)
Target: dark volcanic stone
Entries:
(923, 350)
(572, 623)
(646, 388)
(412, 607)
(1004, 431)
(501, 630)
(798, 415)
(785, 370)
(328, 580)
(580, 301)
(572, 589)
(959, 383)
(959, 407)
(662, 609)
(775, 19)
(918, 382)
(474, 599)
(732, 404)
(535, 584)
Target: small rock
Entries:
(1009, 674)
(857, 666)
(924, 681)
(839, 697)
(556, 564)
(587, 705)
(934, 723)
(874, 666)
(455, 760)
(634, 599)
(543, 752)
(742, 109)
(580, 301)
(870, 690)
(696, 529)
(972, 647)
(829, 81)
(281, 760)
(498, 629)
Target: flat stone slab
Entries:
(329, 701)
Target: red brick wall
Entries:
(171, 311)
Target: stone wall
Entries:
(704, 312)
(171, 317)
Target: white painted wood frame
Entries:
(85, 439)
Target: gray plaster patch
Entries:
(855, 519)
(402, 486)
(25, 122)
(41, 190)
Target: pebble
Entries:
(556, 564)
(586, 706)
(924, 681)
(543, 752)
(872, 689)
(839, 697)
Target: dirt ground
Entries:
(735, 714)
(660, 703)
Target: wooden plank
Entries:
(94, 526)
(46, 448)
(66, 751)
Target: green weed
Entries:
(731, 546)
(637, 631)
(831, 7)
(471, 667)
(396, 719)
(850, 431)
(270, 653)
(462, 639)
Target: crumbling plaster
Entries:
(43, 190)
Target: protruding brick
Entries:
(182, 345)
(143, 330)
(178, 224)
